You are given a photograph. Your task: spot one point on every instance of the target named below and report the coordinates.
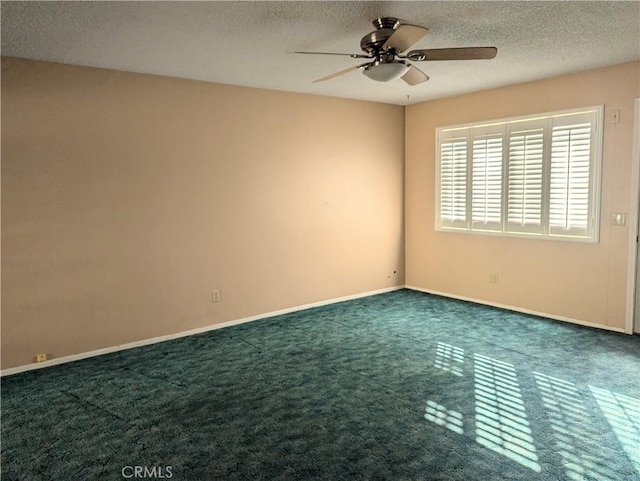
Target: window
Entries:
(535, 176)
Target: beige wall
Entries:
(127, 198)
(585, 282)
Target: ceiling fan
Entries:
(385, 46)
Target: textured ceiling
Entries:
(246, 43)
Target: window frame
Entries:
(469, 132)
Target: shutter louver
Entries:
(570, 179)
(453, 183)
(486, 186)
(524, 197)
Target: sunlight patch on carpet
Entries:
(449, 358)
(570, 421)
(623, 414)
(501, 419)
(440, 415)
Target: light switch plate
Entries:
(618, 218)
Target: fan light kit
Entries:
(385, 45)
(383, 72)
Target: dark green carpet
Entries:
(399, 386)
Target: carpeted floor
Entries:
(398, 386)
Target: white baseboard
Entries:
(213, 327)
(191, 332)
(518, 309)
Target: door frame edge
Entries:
(631, 324)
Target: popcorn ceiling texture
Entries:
(246, 43)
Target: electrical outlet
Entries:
(42, 357)
(614, 117)
(493, 278)
(215, 296)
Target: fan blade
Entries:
(404, 37)
(464, 53)
(341, 72)
(414, 76)
(352, 55)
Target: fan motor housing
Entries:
(373, 41)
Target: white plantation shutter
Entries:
(570, 176)
(453, 180)
(486, 183)
(525, 177)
